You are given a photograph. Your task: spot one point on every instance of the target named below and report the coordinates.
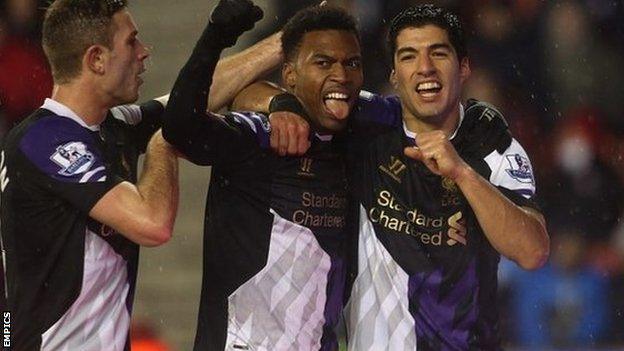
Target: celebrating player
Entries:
(433, 224)
(65, 162)
(274, 266)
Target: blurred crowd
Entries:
(552, 68)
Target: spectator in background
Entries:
(565, 303)
(582, 189)
(25, 78)
(23, 19)
(579, 69)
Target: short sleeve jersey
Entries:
(69, 278)
(426, 275)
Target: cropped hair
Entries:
(70, 27)
(314, 18)
(422, 15)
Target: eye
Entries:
(439, 54)
(323, 63)
(354, 64)
(407, 57)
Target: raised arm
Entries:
(186, 125)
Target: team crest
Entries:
(520, 168)
(73, 157)
(449, 185)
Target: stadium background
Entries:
(553, 67)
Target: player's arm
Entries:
(289, 128)
(518, 233)
(186, 124)
(145, 212)
(514, 230)
(235, 72)
(231, 75)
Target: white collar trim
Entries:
(324, 137)
(66, 112)
(412, 135)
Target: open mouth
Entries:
(428, 89)
(337, 104)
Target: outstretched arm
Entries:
(256, 97)
(235, 72)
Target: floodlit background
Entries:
(553, 67)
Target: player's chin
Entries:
(129, 97)
(333, 125)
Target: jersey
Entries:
(274, 266)
(70, 279)
(426, 274)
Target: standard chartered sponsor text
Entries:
(390, 214)
(309, 216)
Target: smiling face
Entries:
(428, 75)
(125, 60)
(326, 75)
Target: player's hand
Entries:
(233, 18)
(289, 133)
(438, 154)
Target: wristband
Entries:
(287, 102)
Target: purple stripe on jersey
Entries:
(258, 123)
(334, 304)
(437, 316)
(63, 150)
(378, 109)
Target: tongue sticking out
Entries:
(338, 108)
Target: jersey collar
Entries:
(324, 137)
(66, 112)
(412, 135)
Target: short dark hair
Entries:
(421, 15)
(70, 27)
(312, 19)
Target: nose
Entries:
(144, 51)
(425, 66)
(339, 73)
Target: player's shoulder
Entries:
(483, 129)
(60, 146)
(47, 128)
(375, 108)
(478, 109)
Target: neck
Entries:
(89, 107)
(447, 122)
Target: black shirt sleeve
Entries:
(201, 136)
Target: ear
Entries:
(289, 75)
(464, 69)
(393, 79)
(94, 59)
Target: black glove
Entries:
(482, 131)
(231, 18)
